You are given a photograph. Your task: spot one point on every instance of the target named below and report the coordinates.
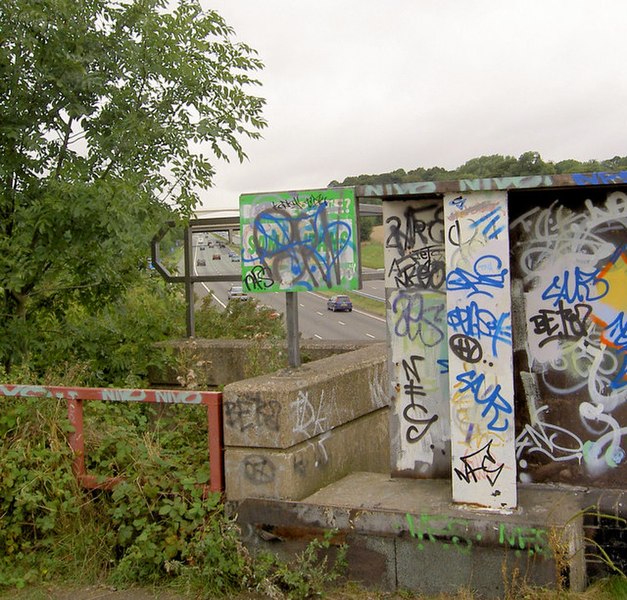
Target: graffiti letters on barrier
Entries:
(108, 394)
(252, 412)
(451, 532)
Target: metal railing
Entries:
(75, 396)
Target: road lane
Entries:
(314, 320)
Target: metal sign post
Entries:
(293, 336)
(189, 284)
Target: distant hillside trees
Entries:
(494, 165)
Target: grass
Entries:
(372, 255)
(612, 588)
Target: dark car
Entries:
(217, 257)
(339, 303)
(201, 262)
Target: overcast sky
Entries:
(370, 86)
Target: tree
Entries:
(106, 108)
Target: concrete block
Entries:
(298, 471)
(431, 545)
(294, 405)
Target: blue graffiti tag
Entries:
(491, 398)
(416, 319)
(615, 333)
(488, 273)
(308, 246)
(481, 323)
(486, 230)
(576, 286)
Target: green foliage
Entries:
(104, 107)
(246, 320)
(372, 255)
(38, 492)
(309, 574)
(365, 227)
(112, 344)
(240, 320)
(159, 526)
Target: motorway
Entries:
(314, 320)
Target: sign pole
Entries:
(293, 338)
(189, 284)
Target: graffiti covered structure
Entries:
(570, 265)
(480, 350)
(551, 317)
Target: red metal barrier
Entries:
(76, 396)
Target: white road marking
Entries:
(371, 336)
(317, 336)
(341, 323)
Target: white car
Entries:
(236, 292)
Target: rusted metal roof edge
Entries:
(433, 188)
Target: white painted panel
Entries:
(480, 350)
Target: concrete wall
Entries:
(292, 432)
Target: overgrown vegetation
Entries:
(158, 526)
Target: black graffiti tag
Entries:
(466, 348)
(480, 462)
(414, 413)
(258, 469)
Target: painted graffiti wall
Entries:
(570, 270)
(481, 384)
(299, 241)
(415, 281)
(502, 298)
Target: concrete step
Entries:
(407, 534)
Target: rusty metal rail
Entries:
(75, 396)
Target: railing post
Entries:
(75, 438)
(216, 445)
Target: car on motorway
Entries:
(339, 302)
(217, 257)
(201, 262)
(236, 292)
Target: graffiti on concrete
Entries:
(480, 350)
(308, 421)
(258, 469)
(571, 266)
(415, 276)
(452, 532)
(252, 411)
(299, 241)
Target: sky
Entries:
(370, 86)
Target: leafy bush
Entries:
(240, 320)
(159, 526)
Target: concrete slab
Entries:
(416, 538)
